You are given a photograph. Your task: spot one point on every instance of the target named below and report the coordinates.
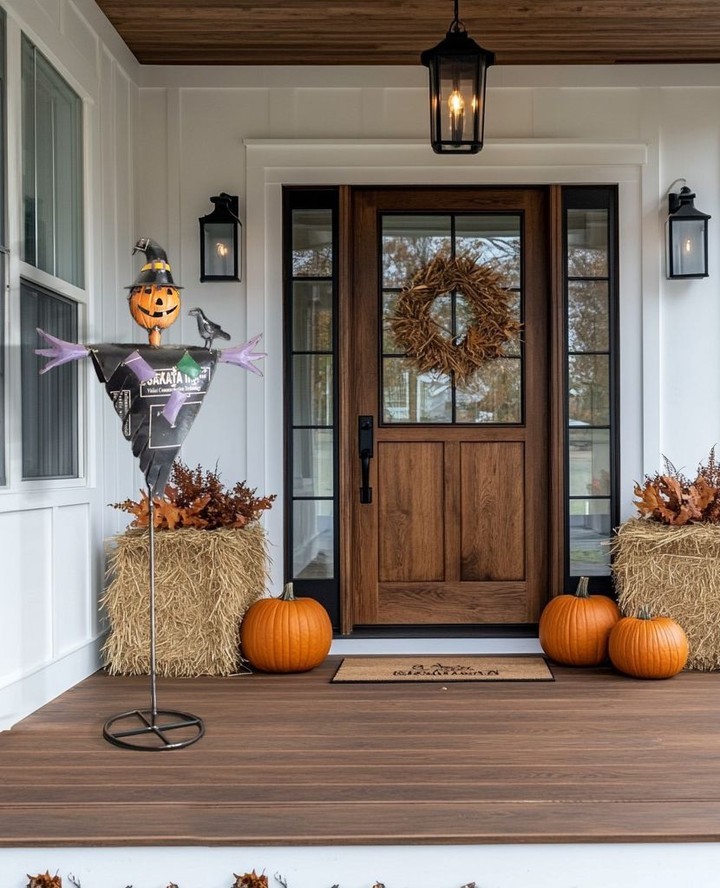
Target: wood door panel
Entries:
(491, 512)
(452, 603)
(410, 511)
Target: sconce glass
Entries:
(687, 237)
(220, 240)
(457, 68)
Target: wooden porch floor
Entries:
(295, 760)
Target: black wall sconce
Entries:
(687, 236)
(457, 68)
(220, 233)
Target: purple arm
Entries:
(243, 355)
(61, 352)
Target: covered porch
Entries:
(294, 760)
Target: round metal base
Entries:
(151, 730)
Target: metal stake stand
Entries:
(154, 724)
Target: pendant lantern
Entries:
(458, 68)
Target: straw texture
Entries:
(204, 582)
(675, 572)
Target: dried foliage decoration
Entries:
(492, 322)
(44, 880)
(198, 499)
(673, 499)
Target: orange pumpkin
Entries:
(574, 629)
(154, 307)
(285, 634)
(648, 647)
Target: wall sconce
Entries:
(457, 68)
(220, 240)
(687, 236)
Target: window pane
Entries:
(312, 315)
(589, 462)
(49, 402)
(409, 242)
(312, 390)
(493, 394)
(313, 462)
(409, 396)
(589, 390)
(52, 169)
(587, 236)
(312, 243)
(590, 528)
(313, 551)
(493, 239)
(588, 319)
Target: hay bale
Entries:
(675, 571)
(204, 582)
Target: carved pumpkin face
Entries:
(154, 305)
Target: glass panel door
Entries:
(494, 393)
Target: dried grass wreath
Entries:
(423, 339)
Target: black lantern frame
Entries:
(687, 237)
(220, 233)
(458, 76)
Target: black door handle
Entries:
(365, 451)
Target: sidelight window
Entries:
(311, 269)
(591, 428)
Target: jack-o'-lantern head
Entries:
(154, 297)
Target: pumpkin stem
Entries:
(287, 593)
(644, 612)
(582, 588)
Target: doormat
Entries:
(448, 668)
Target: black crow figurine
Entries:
(208, 329)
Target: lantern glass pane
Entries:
(459, 99)
(219, 249)
(687, 243)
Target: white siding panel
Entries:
(25, 605)
(587, 113)
(406, 114)
(690, 310)
(78, 32)
(72, 593)
(329, 112)
(508, 113)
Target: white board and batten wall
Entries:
(158, 143)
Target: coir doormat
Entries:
(445, 668)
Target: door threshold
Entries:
(434, 645)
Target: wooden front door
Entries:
(455, 528)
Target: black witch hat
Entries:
(156, 269)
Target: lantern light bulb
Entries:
(688, 246)
(456, 106)
(221, 249)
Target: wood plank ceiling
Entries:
(394, 32)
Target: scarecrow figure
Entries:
(157, 392)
